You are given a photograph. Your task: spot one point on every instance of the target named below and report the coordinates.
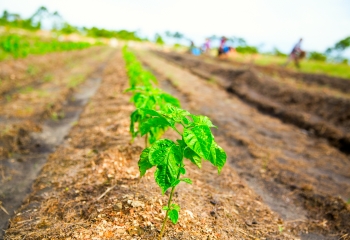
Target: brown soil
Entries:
(27, 137)
(340, 84)
(323, 113)
(278, 183)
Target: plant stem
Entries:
(166, 214)
(146, 140)
(177, 131)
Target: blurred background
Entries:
(269, 28)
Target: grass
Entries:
(306, 66)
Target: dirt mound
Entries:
(341, 84)
(322, 114)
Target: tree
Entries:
(158, 39)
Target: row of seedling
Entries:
(19, 46)
(157, 112)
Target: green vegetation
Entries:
(158, 39)
(307, 66)
(317, 56)
(19, 46)
(156, 112)
(61, 27)
(247, 49)
(103, 33)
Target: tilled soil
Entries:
(324, 113)
(338, 83)
(26, 140)
(90, 186)
(301, 177)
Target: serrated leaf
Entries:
(186, 180)
(202, 120)
(166, 175)
(167, 156)
(217, 156)
(199, 139)
(193, 157)
(144, 163)
(174, 215)
(175, 113)
(164, 152)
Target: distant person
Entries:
(224, 50)
(206, 46)
(194, 50)
(296, 54)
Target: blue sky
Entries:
(264, 23)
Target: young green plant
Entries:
(196, 142)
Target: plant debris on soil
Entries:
(280, 181)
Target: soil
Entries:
(26, 141)
(295, 173)
(338, 83)
(280, 181)
(324, 113)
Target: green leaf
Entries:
(164, 152)
(155, 122)
(167, 98)
(144, 163)
(166, 176)
(155, 134)
(175, 183)
(175, 206)
(193, 157)
(174, 215)
(167, 156)
(150, 112)
(217, 156)
(185, 120)
(134, 118)
(199, 139)
(165, 208)
(175, 113)
(202, 120)
(182, 170)
(186, 180)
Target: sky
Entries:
(263, 23)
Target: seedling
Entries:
(149, 98)
(145, 95)
(156, 112)
(196, 143)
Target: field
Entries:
(69, 168)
